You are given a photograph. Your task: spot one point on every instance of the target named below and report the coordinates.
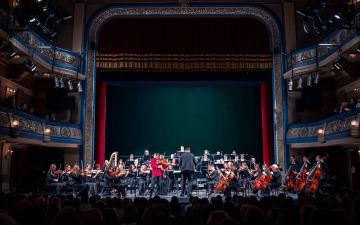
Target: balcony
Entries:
(17, 126)
(56, 59)
(304, 60)
(337, 131)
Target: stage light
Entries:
(46, 74)
(45, 8)
(57, 82)
(321, 135)
(15, 123)
(47, 131)
(79, 86)
(337, 15)
(61, 81)
(357, 49)
(70, 85)
(309, 80)
(30, 65)
(290, 85)
(32, 19)
(354, 128)
(300, 83)
(320, 131)
(38, 1)
(340, 63)
(355, 123)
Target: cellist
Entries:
(301, 177)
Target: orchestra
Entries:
(224, 174)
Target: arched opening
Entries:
(164, 82)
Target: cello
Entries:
(314, 178)
(302, 177)
(290, 178)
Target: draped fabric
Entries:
(184, 44)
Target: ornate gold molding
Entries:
(246, 11)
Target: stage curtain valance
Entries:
(184, 44)
(177, 62)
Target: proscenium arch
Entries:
(108, 13)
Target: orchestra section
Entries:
(183, 174)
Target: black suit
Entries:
(187, 166)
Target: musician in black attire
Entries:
(243, 175)
(276, 177)
(294, 164)
(146, 158)
(213, 178)
(187, 166)
(52, 179)
(131, 175)
(144, 178)
(77, 181)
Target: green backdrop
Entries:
(162, 118)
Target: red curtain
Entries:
(268, 152)
(101, 128)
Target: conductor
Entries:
(187, 168)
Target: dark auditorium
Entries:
(179, 112)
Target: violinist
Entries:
(213, 178)
(52, 179)
(77, 181)
(144, 176)
(119, 179)
(164, 181)
(65, 176)
(89, 180)
(156, 174)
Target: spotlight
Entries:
(70, 85)
(340, 63)
(357, 49)
(30, 65)
(337, 15)
(309, 80)
(11, 53)
(32, 19)
(290, 85)
(57, 82)
(45, 8)
(38, 1)
(79, 86)
(61, 81)
(300, 83)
